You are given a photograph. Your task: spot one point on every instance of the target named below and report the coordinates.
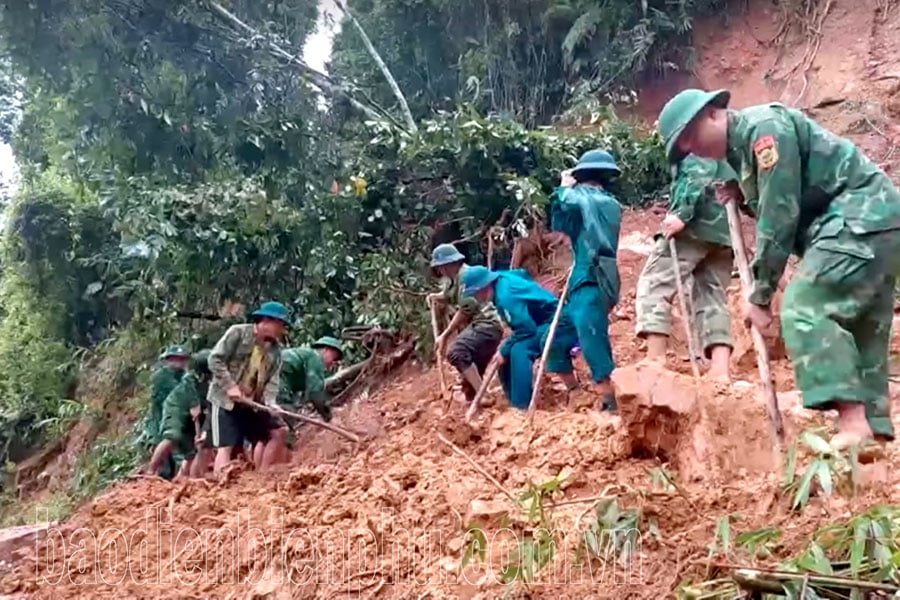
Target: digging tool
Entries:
(686, 317)
(759, 344)
(489, 375)
(276, 410)
(540, 374)
(437, 353)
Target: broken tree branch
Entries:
(318, 79)
(392, 83)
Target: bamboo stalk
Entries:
(478, 468)
(437, 353)
(686, 317)
(379, 62)
(535, 394)
(762, 354)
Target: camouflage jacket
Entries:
(230, 358)
(693, 199)
(480, 314)
(163, 381)
(804, 185)
(189, 392)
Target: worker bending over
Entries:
(246, 367)
(699, 226)
(528, 310)
(472, 349)
(816, 195)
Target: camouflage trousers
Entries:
(836, 320)
(709, 266)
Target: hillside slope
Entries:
(388, 519)
(847, 78)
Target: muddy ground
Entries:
(387, 519)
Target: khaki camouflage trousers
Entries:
(709, 267)
(836, 320)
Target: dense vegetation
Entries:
(177, 155)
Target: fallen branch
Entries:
(320, 80)
(489, 375)
(830, 580)
(392, 83)
(478, 468)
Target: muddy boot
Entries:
(607, 402)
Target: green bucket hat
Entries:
(475, 279)
(200, 362)
(327, 341)
(597, 160)
(445, 254)
(175, 352)
(272, 310)
(681, 110)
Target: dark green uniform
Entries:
(177, 423)
(303, 374)
(164, 380)
(816, 195)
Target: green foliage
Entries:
(829, 469)
(106, 461)
(524, 59)
(161, 87)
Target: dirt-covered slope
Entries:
(388, 519)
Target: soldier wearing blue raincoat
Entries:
(590, 216)
(528, 310)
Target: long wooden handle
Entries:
(489, 375)
(277, 410)
(535, 394)
(686, 317)
(437, 353)
(759, 343)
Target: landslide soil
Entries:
(387, 519)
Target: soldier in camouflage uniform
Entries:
(583, 210)
(182, 416)
(703, 244)
(246, 370)
(473, 349)
(816, 195)
(175, 360)
(303, 378)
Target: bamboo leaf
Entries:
(824, 473)
(790, 470)
(858, 546)
(816, 443)
(723, 532)
(803, 490)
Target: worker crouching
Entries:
(528, 310)
(474, 347)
